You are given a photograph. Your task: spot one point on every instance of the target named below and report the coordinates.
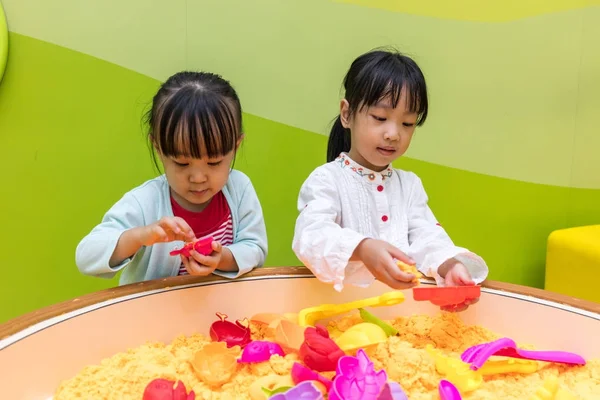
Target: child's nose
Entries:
(392, 134)
(198, 176)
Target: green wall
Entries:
(507, 156)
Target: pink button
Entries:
(380, 188)
(384, 218)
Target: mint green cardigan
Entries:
(148, 203)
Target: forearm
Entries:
(356, 256)
(447, 266)
(129, 243)
(227, 263)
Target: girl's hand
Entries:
(458, 275)
(378, 256)
(201, 265)
(167, 229)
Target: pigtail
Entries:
(339, 140)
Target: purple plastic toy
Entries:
(259, 351)
(392, 391)
(303, 391)
(356, 379)
(448, 391)
(479, 354)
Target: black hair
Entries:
(194, 114)
(372, 77)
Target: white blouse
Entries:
(341, 203)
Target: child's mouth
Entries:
(386, 151)
(199, 192)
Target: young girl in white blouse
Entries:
(357, 213)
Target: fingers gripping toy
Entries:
(202, 246)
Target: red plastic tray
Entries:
(446, 295)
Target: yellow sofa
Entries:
(573, 262)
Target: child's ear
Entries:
(239, 141)
(154, 146)
(345, 113)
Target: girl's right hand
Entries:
(167, 229)
(378, 256)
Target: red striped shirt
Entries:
(215, 220)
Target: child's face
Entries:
(380, 134)
(195, 181)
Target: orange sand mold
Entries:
(404, 357)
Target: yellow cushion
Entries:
(573, 262)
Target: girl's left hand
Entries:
(458, 275)
(201, 265)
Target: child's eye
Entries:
(181, 164)
(408, 124)
(380, 119)
(214, 163)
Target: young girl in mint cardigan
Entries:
(196, 128)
